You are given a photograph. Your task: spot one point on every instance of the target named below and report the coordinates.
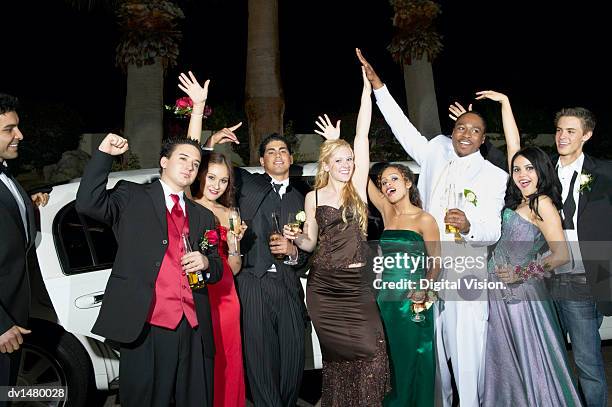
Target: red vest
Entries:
(173, 297)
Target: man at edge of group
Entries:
(583, 288)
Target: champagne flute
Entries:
(195, 279)
(294, 225)
(276, 234)
(459, 204)
(235, 223)
(451, 203)
(417, 308)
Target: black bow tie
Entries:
(4, 169)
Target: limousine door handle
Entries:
(89, 300)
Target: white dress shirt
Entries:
(169, 202)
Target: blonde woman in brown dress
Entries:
(339, 297)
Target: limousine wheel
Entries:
(51, 357)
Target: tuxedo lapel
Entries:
(589, 167)
(156, 193)
(30, 216)
(193, 216)
(8, 200)
(251, 196)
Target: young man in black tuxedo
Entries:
(273, 311)
(18, 230)
(583, 288)
(164, 328)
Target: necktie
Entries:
(277, 187)
(177, 213)
(569, 206)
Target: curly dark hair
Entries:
(197, 190)
(548, 181)
(407, 174)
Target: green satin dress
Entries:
(410, 344)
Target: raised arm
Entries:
(93, 199)
(511, 131)
(198, 94)
(361, 144)
(377, 198)
(415, 144)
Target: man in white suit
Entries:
(461, 326)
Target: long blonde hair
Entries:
(350, 200)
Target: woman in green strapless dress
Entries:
(410, 230)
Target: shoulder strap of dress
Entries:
(316, 198)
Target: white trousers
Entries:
(461, 333)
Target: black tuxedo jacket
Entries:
(257, 200)
(14, 282)
(137, 214)
(595, 230)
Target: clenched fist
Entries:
(113, 144)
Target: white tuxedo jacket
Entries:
(487, 181)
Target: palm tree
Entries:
(415, 45)
(265, 103)
(149, 44)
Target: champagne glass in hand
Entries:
(235, 223)
(451, 203)
(417, 306)
(276, 234)
(294, 225)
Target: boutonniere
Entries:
(301, 216)
(209, 240)
(470, 196)
(586, 180)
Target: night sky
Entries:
(543, 58)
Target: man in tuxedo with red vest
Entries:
(164, 328)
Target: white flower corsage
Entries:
(470, 196)
(586, 180)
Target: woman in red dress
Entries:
(215, 191)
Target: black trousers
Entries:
(166, 365)
(9, 367)
(273, 328)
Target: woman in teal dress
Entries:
(408, 229)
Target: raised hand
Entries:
(114, 144)
(191, 86)
(457, 110)
(243, 228)
(492, 95)
(225, 135)
(328, 131)
(369, 71)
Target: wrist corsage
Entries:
(531, 270)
